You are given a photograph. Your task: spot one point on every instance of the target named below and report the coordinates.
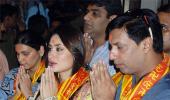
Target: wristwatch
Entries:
(51, 98)
(30, 98)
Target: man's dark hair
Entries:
(113, 7)
(164, 8)
(7, 10)
(137, 23)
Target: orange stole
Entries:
(117, 78)
(69, 86)
(136, 93)
(37, 74)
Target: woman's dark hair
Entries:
(30, 39)
(72, 39)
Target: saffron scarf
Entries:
(37, 74)
(137, 92)
(69, 86)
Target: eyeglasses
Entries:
(165, 27)
(139, 13)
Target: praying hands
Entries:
(103, 87)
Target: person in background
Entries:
(40, 8)
(4, 67)
(137, 50)
(64, 12)
(66, 74)
(164, 16)
(99, 14)
(8, 29)
(22, 83)
(38, 25)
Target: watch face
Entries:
(30, 98)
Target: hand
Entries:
(20, 23)
(25, 82)
(103, 87)
(17, 91)
(89, 47)
(49, 85)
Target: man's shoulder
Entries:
(160, 91)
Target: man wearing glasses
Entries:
(164, 16)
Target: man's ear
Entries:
(112, 17)
(41, 51)
(147, 44)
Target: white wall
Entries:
(151, 4)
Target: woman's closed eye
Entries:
(24, 53)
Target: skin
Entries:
(102, 85)
(165, 21)
(10, 21)
(95, 23)
(4, 67)
(122, 50)
(143, 60)
(56, 55)
(28, 58)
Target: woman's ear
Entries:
(42, 50)
(112, 17)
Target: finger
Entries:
(93, 83)
(46, 76)
(19, 71)
(42, 86)
(49, 79)
(19, 76)
(27, 76)
(96, 70)
(85, 34)
(53, 82)
(92, 74)
(106, 73)
(52, 77)
(101, 71)
(17, 83)
(22, 78)
(91, 42)
(22, 70)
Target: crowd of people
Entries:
(91, 51)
